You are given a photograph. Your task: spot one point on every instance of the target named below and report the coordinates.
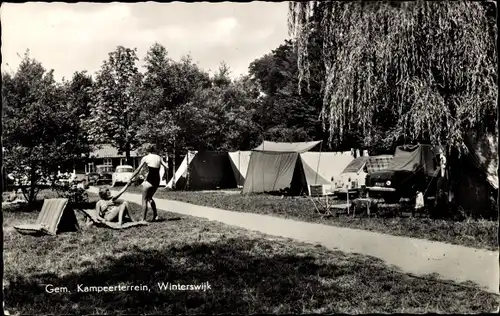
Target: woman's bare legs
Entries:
(148, 191)
(155, 211)
(146, 186)
(119, 213)
(125, 211)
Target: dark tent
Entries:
(208, 170)
(415, 158)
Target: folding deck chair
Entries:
(91, 216)
(321, 205)
(320, 201)
(54, 217)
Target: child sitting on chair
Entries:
(107, 210)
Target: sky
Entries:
(75, 37)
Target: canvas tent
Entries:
(205, 170)
(239, 163)
(289, 166)
(415, 158)
(55, 217)
(286, 147)
(182, 169)
(321, 167)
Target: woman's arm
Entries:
(136, 172)
(98, 211)
(164, 164)
(114, 198)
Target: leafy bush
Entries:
(74, 194)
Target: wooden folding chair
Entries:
(321, 205)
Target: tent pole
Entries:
(187, 169)
(173, 167)
(317, 166)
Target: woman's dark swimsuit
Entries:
(154, 177)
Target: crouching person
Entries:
(108, 210)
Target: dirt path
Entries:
(418, 256)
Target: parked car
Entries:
(414, 168)
(103, 174)
(353, 178)
(122, 174)
(80, 180)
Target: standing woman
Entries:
(153, 161)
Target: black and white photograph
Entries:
(307, 157)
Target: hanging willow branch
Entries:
(430, 63)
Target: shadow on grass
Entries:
(245, 278)
(37, 206)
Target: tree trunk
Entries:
(127, 154)
(32, 194)
(173, 168)
(447, 187)
(187, 169)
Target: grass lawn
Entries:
(472, 233)
(248, 273)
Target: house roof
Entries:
(108, 151)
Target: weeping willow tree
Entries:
(432, 65)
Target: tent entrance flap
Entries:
(239, 163)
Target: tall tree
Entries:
(78, 95)
(169, 87)
(429, 64)
(222, 117)
(40, 130)
(115, 110)
(286, 115)
(422, 70)
(221, 77)
(158, 124)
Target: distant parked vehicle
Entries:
(414, 168)
(102, 175)
(122, 175)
